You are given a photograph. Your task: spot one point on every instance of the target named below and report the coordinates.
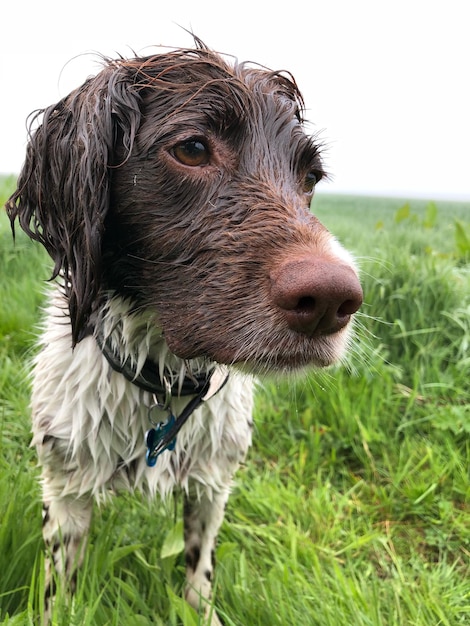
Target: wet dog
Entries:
(172, 193)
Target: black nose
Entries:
(316, 295)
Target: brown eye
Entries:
(310, 181)
(193, 153)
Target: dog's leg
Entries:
(66, 521)
(203, 517)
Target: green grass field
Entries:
(353, 508)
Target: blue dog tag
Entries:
(153, 438)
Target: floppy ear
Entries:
(63, 190)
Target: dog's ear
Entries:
(63, 190)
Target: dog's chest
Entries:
(90, 421)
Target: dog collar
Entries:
(162, 435)
(148, 378)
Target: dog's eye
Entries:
(192, 153)
(310, 181)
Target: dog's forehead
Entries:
(197, 93)
(179, 70)
(235, 104)
(202, 81)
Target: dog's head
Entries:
(183, 183)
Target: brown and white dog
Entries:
(172, 193)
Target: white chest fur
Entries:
(93, 421)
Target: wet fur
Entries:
(172, 263)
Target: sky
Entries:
(386, 83)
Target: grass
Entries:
(353, 508)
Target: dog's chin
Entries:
(297, 354)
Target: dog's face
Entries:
(184, 184)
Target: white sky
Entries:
(387, 82)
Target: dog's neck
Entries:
(133, 343)
(148, 378)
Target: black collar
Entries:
(162, 435)
(148, 378)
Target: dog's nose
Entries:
(316, 295)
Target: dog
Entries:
(173, 194)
